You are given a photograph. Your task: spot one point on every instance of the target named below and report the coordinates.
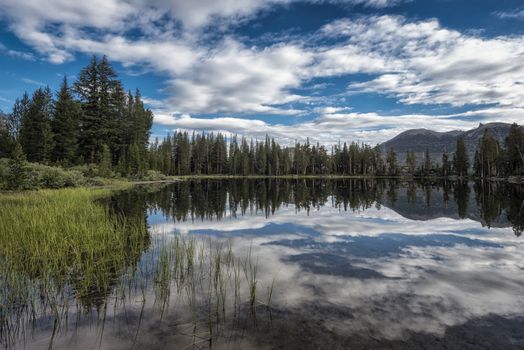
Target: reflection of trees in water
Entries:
(210, 199)
(490, 201)
(516, 209)
(499, 199)
(392, 190)
(411, 192)
(461, 192)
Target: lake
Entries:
(292, 264)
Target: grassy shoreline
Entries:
(122, 183)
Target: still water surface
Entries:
(335, 264)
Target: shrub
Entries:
(4, 169)
(87, 170)
(50, 178)
(153, 175)
(38, 176)
(54, 177)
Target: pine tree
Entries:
(120, 124)
(134, 160)
(14, 120)
(182, 153)
(446, 165)
(105, 167)
(6, 141)
(486, 156)
(515, 150)
(379, 162)
(460, 159)
(101, 96)
(65, 126)
(18, 171)
(166, 150)
(87, 87)
(111, 103)
(121, 166)
(142, 120)
(411, 162)
(36, 135)
(391, 161)
(427, 162)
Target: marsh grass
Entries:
(57, 243)
(207, 280)
(65, 257)
(60, 231)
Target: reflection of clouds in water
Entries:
(463, 283)
(331, 221)
(427, 295)
(429, 283)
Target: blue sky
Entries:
(329, 70)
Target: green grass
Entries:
(61, 230)
(57, 243)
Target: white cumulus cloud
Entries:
(415, 62)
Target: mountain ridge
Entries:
(418, 140)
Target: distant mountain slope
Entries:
(418, 140)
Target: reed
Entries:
(250, 272)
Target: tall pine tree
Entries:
(460, 159)
(36, 136)
(65, 126)
(515, 150)
(14, 120)
(87, 87)
(487, 156)
(101, 99)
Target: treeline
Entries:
(457, 164)
(206, 154)
(92, 121)
(210, 154)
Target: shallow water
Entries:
(336, 264)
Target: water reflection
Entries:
(375, 263)
(338, 264)
(491, 204)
